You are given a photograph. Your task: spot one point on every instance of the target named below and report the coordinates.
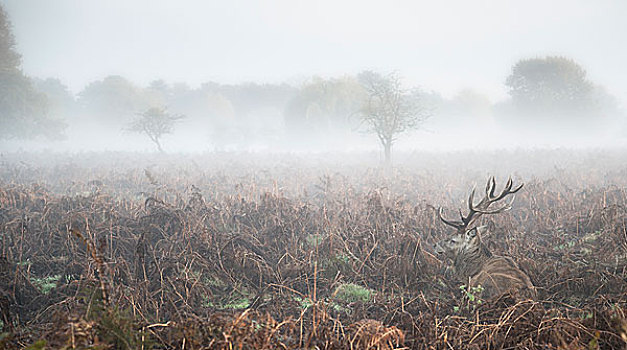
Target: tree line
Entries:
(544, 92)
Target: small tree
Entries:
(389, 109)
(154, 123)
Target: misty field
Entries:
(302, 251)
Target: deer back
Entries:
(500, 275)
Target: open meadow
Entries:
(305, 251)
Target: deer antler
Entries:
(475, 211)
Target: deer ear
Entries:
(471, 233)
(480, 230)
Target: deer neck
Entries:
(471, 259)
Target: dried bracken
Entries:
(251, 255)
(372, 334)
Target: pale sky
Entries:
(442, 45)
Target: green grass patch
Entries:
(305, 303)
(350, 293)
(45, 284)
(234, 301)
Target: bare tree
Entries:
(389, 109)
(154, 123)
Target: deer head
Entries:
(466, 236)
(458, 243)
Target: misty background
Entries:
(301, 76)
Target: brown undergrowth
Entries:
(148, 260)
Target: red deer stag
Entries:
(473, 262)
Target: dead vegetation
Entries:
(190, 257)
